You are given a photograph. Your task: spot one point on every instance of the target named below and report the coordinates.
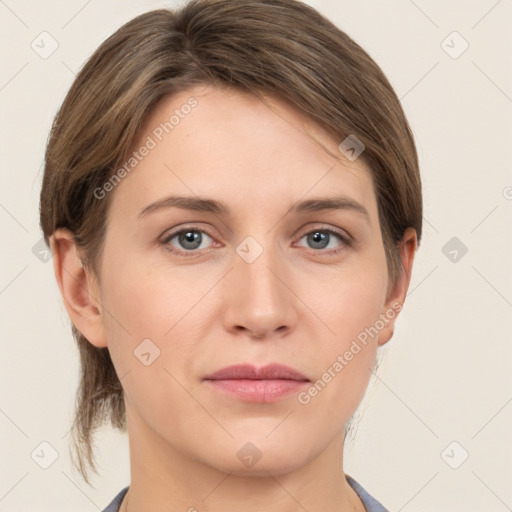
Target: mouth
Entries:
(251, 384)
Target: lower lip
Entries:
(252, 390)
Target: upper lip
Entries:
(247, 371)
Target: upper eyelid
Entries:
(171, 233)
(338, 231)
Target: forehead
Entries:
(228, 144)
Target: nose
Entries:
(258, 297)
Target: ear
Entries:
(78, 287)
(396, 296)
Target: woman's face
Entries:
(265, 275)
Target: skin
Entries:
(298, 303)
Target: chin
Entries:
(260, 457)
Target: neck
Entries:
(161, 479)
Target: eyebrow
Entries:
(200, 204)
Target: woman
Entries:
(233, 202)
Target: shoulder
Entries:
(116, 502)
(369, 502)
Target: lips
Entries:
(272, 371)
(248, 383)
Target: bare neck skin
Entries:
(162, 479)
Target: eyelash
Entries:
(346, 241)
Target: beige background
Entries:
(445, 376)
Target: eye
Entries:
(187, 240)
(190, 241)
(325, 238)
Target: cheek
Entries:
(350, 305)
(145, 300)
(352, 300)
(356, 308)
(148, 310)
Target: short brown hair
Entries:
(281, 47)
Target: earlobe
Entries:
(79, 290)
(396, 298)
